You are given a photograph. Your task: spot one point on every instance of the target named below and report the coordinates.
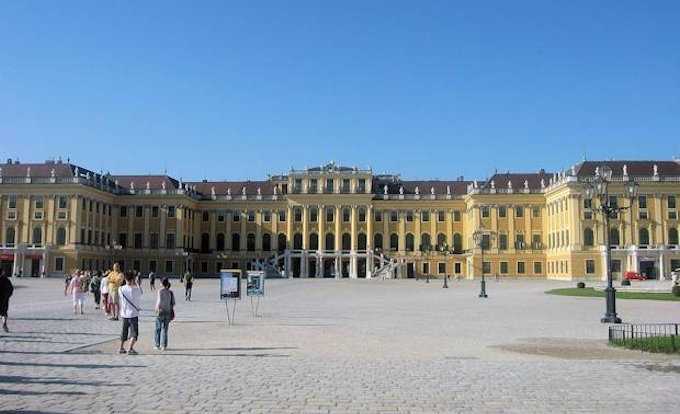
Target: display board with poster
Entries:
(230, 288)
(255, 285)
(230, 284)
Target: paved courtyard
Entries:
(339, 346)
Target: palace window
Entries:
(236, 215)
(485, 211)
(329, 185)
(171, 211)
(503, 241)
(138, 240)
(122, 239)
(154, 211)
(536, 212)
(644, 237)
(61, 236)
(362, 186)
(313, 242)
(441, 268)
(378, 215)
(456, 215)
(441, 216)
(62, 202)
(362, 215)
(520, 268)
(9, 236)
(267, 216)
(206, 216)
(169, 266)
(486, 267)
(58, 264)
(456, 268)
(329, 214)
(502, 211)
(394, 242)
(345, 215)
(503, 268)
(139, 211)
(410, 242)
(313, 186)
(345, 185)
(536, 242)
(266, 242)
(426, 268)
(123, 211)
(642, 202)
(590, 266)
(394, 216)
(519, 211)
(588, 237)
(250, 242)
(378, 241)
(282, 215)
(170, 241)
(12, 202)
(425, 215)
(298, 214)
(671, 202)
(673, 237)
(235, 242)
(538, 268)
(313, 214)
(220, 217)
(251, 216)
(409, 215)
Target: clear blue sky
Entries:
(428, 89)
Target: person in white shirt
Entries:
(130, 297)
(104, 289)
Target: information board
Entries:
(255, 283)
(230, 283)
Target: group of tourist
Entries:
(119, 295)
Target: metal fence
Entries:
(657, 337)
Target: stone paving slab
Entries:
(339, 347)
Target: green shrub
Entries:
(581, 285)
(625, 282)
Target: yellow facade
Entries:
(334, 221)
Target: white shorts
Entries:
(78, 298)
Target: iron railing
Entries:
(657, 337)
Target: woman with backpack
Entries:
(95, 288)
(165, 312)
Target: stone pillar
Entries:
(258, 230)
(353, 271)
(213, 230)
(305, 227)
(161, 236)
(338, 228)
(662, 267)
(289, 227)
(369, 241)
(321, 219)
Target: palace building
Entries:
(335, 221)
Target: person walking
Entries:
(6, 290)
(152, 280)
(130, 306)
(96, 288)
(188, 285)
(116, 279)
(104, 289)
(75, 289)
(165, 313)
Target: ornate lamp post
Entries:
(600, 188)
(478, 237)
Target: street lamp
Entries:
(600, 188)
(479, 236)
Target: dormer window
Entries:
(313, 186)
(345, 185)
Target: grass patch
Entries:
(661, 344)
(592, 293)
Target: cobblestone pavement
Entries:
(338, 346)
